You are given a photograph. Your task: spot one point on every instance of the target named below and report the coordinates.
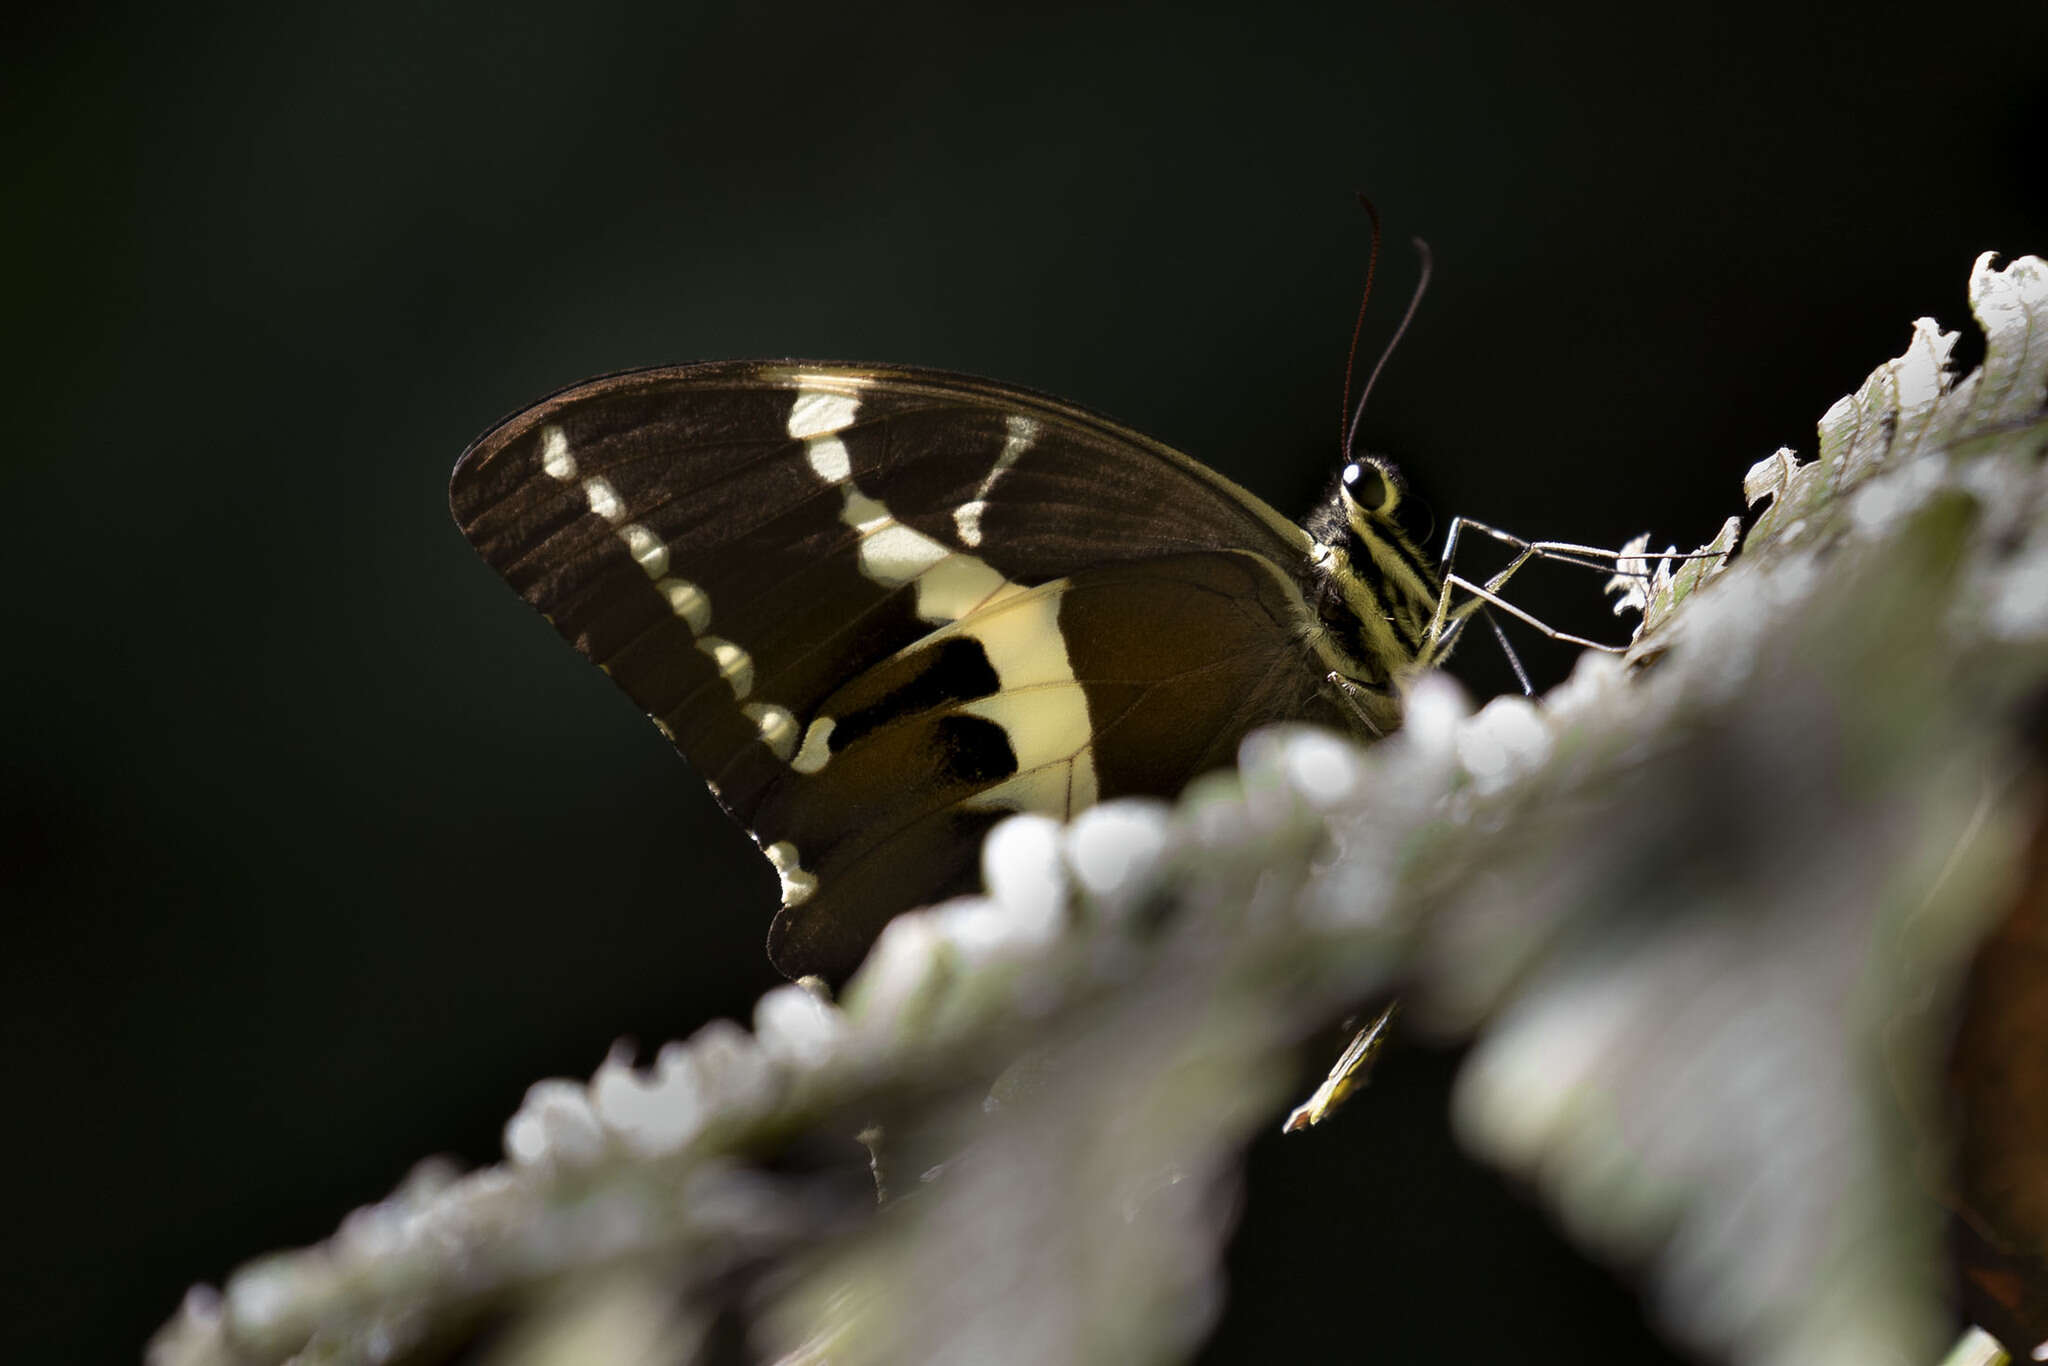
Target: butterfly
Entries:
(878, 608)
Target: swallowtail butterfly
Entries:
(880, 608)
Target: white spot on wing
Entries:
(604, 499)
(949, 584)
(649, 551)
(1023, 431)
(735, 665)
(818, 411)
(689, 602)
(829, 460)
(967, 519)
(554, 454)
(692, 605)
(797, 884)
(957, 585)
(817, 746)
(1041, 707)
(896, 554)
(863, 513)
(777, 727)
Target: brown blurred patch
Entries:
(1998, 1082)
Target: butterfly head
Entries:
(1375, 594)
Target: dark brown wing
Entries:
(738, 544)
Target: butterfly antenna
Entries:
(1346, 427)
(1414, 302)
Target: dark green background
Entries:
(317, 846)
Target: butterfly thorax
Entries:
(1373, 592)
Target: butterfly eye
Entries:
(1367, 488)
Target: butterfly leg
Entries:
(1564, 552)
(1482, 594)
(1352, 694)
(1514, 660)
(1628, 563)
(1449, 619)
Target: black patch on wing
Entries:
(975, 750)
(957, 670)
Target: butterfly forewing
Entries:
(877, 609)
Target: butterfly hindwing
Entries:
(876, 608)
(1128, 678)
